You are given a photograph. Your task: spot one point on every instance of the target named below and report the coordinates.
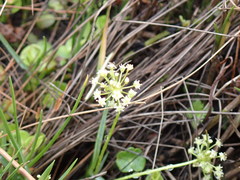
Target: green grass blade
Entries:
(8, 165)
(15, 112)
(11, 176)
(98, 143)
(104, 148)
(68, 170)
(36, 137)
(54, 138)
(9, 133)
(46, 173)
(224, 29)
(12, 52)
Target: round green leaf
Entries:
(129, 162)
(45, 21)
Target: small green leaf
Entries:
(197, 106)
(100, 22)
(56, 4)
(129, 162)
(45, 21)
(184, 22)
(86, 30)
(155, 176)
(15, 3)
(48, 99)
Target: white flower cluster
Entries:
(205, 154)
(113, 91)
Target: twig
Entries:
(21, 170)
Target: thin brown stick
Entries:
(21, 170)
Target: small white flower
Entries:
(126, 100)
(102, 101)
(126, 80)
(213, 154)
(207, 177)
(137, 84)
(218, 173)
(119, 108)
(94, 81)
(218, 143)
(191, 150)
(117, 94)
(97, 94)
(122, 68)
(111, 66)
(112, 82)
(222, 156)
(207, 167)
(198, 141)
(207, 138)
(129, 67)
(103, 72)
(131, 93)
(116, 74)
(111, 104)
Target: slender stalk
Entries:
(98, 143)
(147, 172)
(104, 148)
(15, 112)
(12, 52)
(38, 132)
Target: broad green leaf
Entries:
(34, 53)
(128, 162)
(65, 51)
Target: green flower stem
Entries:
(104, 148)
(147, 172)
